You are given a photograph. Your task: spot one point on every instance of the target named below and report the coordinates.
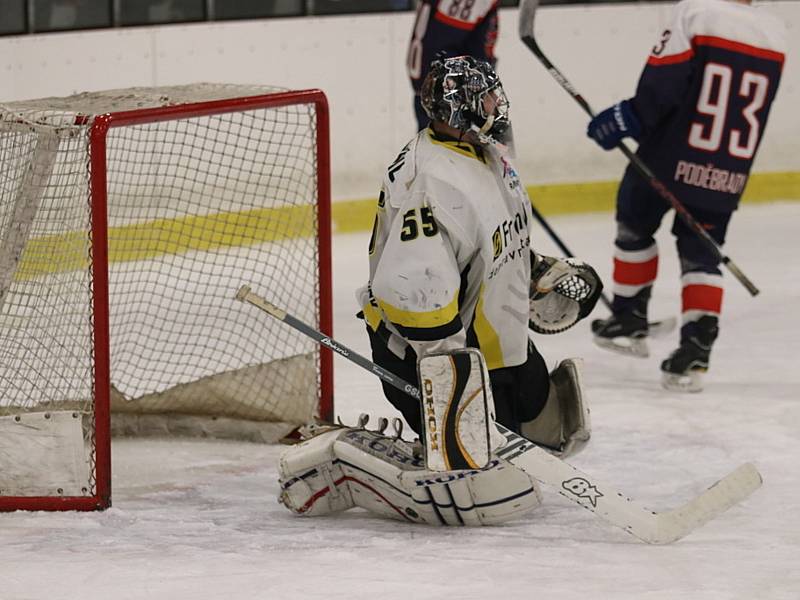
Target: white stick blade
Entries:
(618, 509)
(725, 493)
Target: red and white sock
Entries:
(634, 270)
(701, 295)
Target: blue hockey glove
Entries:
(613, 124)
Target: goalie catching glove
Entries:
(562, 292)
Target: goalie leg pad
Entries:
(311, 477)
(563, 426)
(354, 467)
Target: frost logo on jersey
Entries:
(503, 237)
(510, 174)
(581, 488)
(497, 243)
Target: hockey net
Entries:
(128, 220)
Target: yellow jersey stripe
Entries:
(463, 148)
(421, 320)
(372, 316)
(488, 339)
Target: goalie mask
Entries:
(466, 93)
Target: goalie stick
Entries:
(527, 13)
(575, 485)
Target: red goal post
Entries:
(128, 220)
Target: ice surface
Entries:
(196, 520)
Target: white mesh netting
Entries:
(197, 206)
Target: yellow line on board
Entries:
(568, 198)
(69, 252)
(768, 187)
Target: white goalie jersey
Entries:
(450, 252)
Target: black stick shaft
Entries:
(246, 295)
(554, 236)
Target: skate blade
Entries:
(624, 345)
(658, 329)
(691, 382)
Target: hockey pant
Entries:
(519, 392)
(348, 467)
(639, 214)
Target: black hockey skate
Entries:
(625, 333)
(684, 369)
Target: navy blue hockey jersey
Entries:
(704, 97)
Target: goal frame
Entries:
(98, 132)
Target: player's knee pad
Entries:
(354, 467)
(563, 426)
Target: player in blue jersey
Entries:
(451, 28)
(699, 114)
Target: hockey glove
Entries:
(610, 126)
(563, 291)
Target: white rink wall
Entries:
(359, 61)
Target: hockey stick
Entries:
(654, 328)
(527, 12)
(575, 485)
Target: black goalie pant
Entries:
(519, 392)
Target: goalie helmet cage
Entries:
(128, 219)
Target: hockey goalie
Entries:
(452, 274)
